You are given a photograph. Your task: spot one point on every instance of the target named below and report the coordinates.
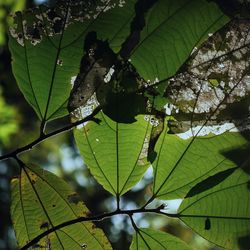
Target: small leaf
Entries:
(40, 202)
(112, 151)
(152, 239)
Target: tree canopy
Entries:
(162, 84)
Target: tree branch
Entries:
(96, 218)
(43, 136)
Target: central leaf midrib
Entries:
(97, 163)
(23, 211)
(55, 64)
(28, 71)
(41, 203)
(137, 159)
(67, 204)
(117, 159)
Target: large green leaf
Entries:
(47, 47)
(151, 239)
(181, 164)
(112, 151)
(221, 214)
(173, 28)
(40, 201)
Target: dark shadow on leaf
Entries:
(138, 23)
(240, 156)
(74, 198)
(155, 134)
(244, 242)
(210, 182)
(97, 59)
(233, 8)
(123, 107)
(248, 184)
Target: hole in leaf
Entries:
(84, 246)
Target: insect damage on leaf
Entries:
(207, 224)
(84, 246)
(216, 79)
(33, 25)
(95, 64)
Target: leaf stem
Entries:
(42, 128)
(149, 201)
(133, 223)
(118, 202)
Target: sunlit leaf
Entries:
(183, 163)
(112, 151)
(8, 121)
(40, 201)
(221, 214)
(172, 30)
(151, 239)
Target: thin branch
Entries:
(43, 136)
(96, 218)
(137, 230)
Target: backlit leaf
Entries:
(183, 163)
(151, 239)
(47, 46)
(112, 151)
(40, 201)
(221, 214)
(172, 30)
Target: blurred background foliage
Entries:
(19, 126)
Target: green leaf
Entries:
(221, 214)
(197, 163)
(115, 104)
(8, 122)
(152, 239)
(172, 30)
(40, 201)
(112, 151)
(210, 182)
(47, 47)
